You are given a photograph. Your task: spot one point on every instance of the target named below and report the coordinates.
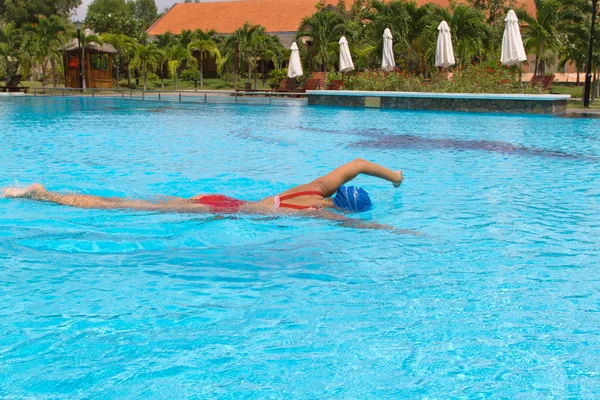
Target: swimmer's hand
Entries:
(28, 192)
(400, 179)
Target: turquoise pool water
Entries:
(499, 297)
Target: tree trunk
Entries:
(249, 71)
(145, 79)
(129, 75)
(201, 69)
(255, 75)
(595, 86)
(264, 80)
(53, 66)
(44, 74)
(577, 84)
(175, 80)
(537, 61)
(325, 72)
(162, 74)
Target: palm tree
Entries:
(243, 36)
(187, 36)
(147, 58)
(395, 16)
(542, 32)
(43, 41)
(175, 56)
(126, 47)
(8, 46)
(470, 33)
(204, 48)
(164, 42)
(323, 29)
(266, 47)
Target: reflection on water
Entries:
(379, 141)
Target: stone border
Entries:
(467, 102)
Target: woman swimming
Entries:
(313, 198)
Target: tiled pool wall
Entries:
(484, 103)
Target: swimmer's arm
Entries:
(359, 224)
(351, 170)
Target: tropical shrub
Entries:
(301, 80)
(480, 78)
(276, 76)
(152, 76)
(394, 81)
(332, 76)
(190, 74)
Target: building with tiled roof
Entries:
(279, 17)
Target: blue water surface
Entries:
(498, 298)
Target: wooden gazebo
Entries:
(97, 66)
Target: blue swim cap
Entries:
(352, 199)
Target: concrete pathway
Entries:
(583, 113)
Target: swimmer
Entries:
(311, 199)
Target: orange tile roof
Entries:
(226, 16)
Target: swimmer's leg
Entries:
(39, 193)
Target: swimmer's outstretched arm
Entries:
(339, 176)
(39, 193)
(359, 224)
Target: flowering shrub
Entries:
(480, 78)
(384, 81)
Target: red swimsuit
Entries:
(279, 199)
(219, 203)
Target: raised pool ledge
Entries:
(469, 102)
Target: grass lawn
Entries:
(209, 84)
(567, 88)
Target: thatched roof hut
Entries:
(97, 67)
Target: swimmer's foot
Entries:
(24, 193)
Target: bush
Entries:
(394, 81)
(301, 80)
(335, 76)
(276, 76)
(190, 74)
(480, 78)
(152, 76)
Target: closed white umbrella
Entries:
(346, 63)
(444, 53)
(388, 63)
(513, 51)
(295, 67)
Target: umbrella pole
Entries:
(520, 74)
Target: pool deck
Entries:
(467, 102)
(583, 113)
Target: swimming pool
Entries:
(499, 297)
